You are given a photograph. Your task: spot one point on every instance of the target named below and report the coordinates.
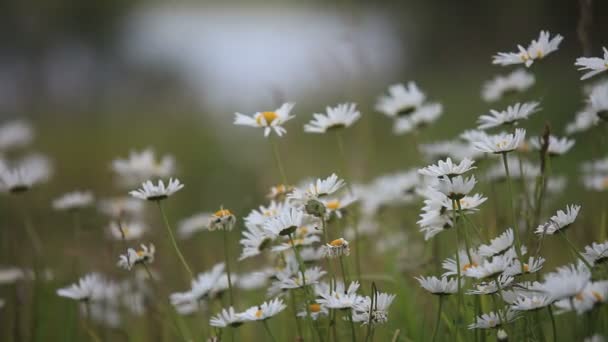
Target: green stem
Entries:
(438, 318)
(343, 269)
(343, 160)
(553, 329)
(515, 223)
(575, 250)
(226, 257)
(265, 323)
(277, 159)
(295, 314)
(352, 326)
(173, 242)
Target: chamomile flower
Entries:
(518, 81)
(340, 298)
(566, 282)
(561, 220)
(448, 168)
(151, 192)
(337, 206)
(596, 253)
(401, 100)
(341, 116)
(201, 286)
(532, 266)
(497, 245)
(145, 255)
(436, 286)
(193, 224)
(222, 219)
(73, 200)
(595, 64)
(538, 49)
(262, 312)
(489, 267)
(500, 143)
(365, 313)
(557, 146)
(270, 120)
(254, 241)
(132, 230)
(485, 288)
(456, 188)
(22, 176)
(121, 207)
(90, 287)
(531, 302)
(279, 192)
(315, 310)
(257, 217)
(337, 248)
(15, 134)
(317, 189)
(142, 165)
(512, 115)
(296, 281)
(226, 318)
(450, 264)
(494, 320)
(285, 223)
(423, 116)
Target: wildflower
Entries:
(532, 266)
(264, 311)
(584, 120)
(484, 288)
(500, 143)
(596, 253)
(493, 320)
(337, 248)
(222, 219)
(142, 165)
(450, 264)
(15, 134)
(143, 256)
(531, 302)
(423, 116)
(287, 281)
(448, 168)
(502, 336)
(297, 242)
(537, 49)
(401, 101)
(512, 115)
(320, 188)
(337, 206)
(340, 298)
(593, 294)
(270, 121)
(26, 173)
(517, 81)
(566, 282)
(254, 280)
(193, 224)
(279, 192)
(73, 200)
(341, 116)
(364, 313)
(442, 287)
(119, 207)
(152, 192)
(457, 187)
(560, 221)
(595, 64)
(489, 267)
(201, 286)
(497, 245)
(89, 287)
(285, 223)
(259, 216)
(254, 241)
(226, 318)
(315, 310)
(557, 146)
(129, 230)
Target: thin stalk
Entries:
(439, 309)
(277, 159)
(173, 242)
(343, 269)
(265, 323)
(227, 258)
(460, 298)
(575, 250)
(515, 223)
(343, 160)
(352, 326)
(295, 314)
(553, 329)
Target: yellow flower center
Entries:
(597, 296)
(296, 242)
(539, 54)
(524, 147)
(579, 296)
(258, 314)
(140, 253)
(605, 183)
(467, 266)
(269, 117)
(303, 231)
(526, 268)
(337, 243)
(333, 205)
(222, 213)
(315, 307)
(501, 144)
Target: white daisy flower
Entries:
(279, 192)
(320, 188)
(532, 266)
(30, 171)
(11, 275)
(15, 134)
(457, 187)
(337, 206)
(340, 298)
(119, 207)
(264, 311)
(436, 286)
(583, 121)
(315, 310)
(596, 182)
(401, 101)
(596, 253)
(226, 318)
(73, 200)
(336, 248)
(557, 146)
(561, 220)
(254, 280)
(221, 285)
(450, 264)
(566, 282)
(501, 143)
(259, 216)
(295, 281)
(270, 121)
(341, 116)
(311, 254)
(254, 241)
(531, 302)
(142, 165)
(222, 219)
(537, 49)
(448, 168)
(199, 222)
(132, 230)
(489, 267)
(509, 116)
(201, 286)
(298, 242)
(134, 257)
(285, 223)
(485, 288)
(497, 245)
(493, 320)
(423, 116)
(593, 294)
(152, 192)
(90, 287)
(595, 64)
(379, 310)
(518, 81)
(598, 101)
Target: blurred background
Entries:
(99, 78)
